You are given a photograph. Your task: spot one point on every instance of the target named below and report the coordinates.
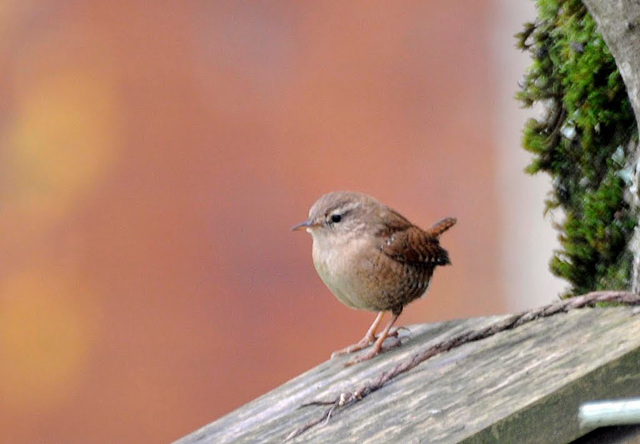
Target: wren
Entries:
(372, 258)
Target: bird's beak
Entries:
(305, 224)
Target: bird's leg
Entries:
(368, 339)
(378, 344)
(395, 332)
(392, 334)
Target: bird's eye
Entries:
(335, 218)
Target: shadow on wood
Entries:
(524, 384)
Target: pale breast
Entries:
(339, 270)
(363, 278)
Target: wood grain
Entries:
(520, 385)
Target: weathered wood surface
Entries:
(521, 385)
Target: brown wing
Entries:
(407, 243)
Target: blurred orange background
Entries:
(155, 154)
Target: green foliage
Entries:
(580, 143)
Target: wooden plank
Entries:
(521, 385)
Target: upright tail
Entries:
(441, 226)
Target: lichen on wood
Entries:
(582, 141)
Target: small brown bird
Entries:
(372, 258)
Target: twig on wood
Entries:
(346, 399)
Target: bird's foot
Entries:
(392, 334)
(364, 343)
(363, 357)
(395, 332)
(388, 344)
(391, 342)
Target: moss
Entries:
(579, 142)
